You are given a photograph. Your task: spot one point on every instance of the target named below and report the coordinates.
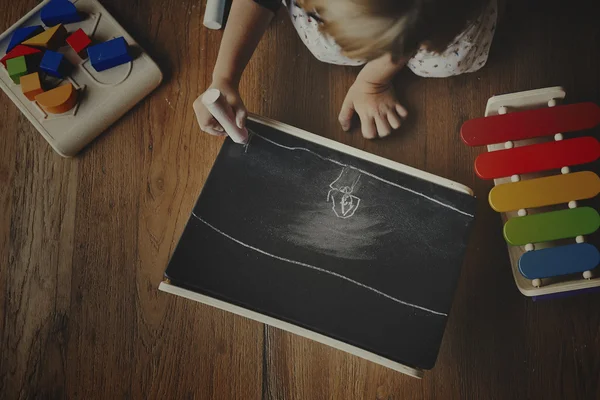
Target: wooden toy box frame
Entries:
(103, 97)
(520, 102)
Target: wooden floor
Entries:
(84, 241)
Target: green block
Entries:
(17, 67)
(551, 226)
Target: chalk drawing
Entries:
(344, 203)
(366, 173)
(340, 276)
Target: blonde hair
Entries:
(368, 29)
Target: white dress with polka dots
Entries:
(467, 53)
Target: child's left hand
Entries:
(377, 107)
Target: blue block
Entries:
(55, 64)
(59, 12)
(109, 54)
(22, 34)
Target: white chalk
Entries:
(213, 14)
(218, 107)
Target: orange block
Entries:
(31, 85)
(51, 39)
(59, 100)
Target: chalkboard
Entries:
(313, 233)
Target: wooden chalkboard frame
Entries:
(332, 144)
(168, 287)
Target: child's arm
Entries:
(245, 26)
(372, 97)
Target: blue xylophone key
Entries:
(557, 261)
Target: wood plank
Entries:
(38, 276)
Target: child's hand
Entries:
(207, 122)
(377, 107)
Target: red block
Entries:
(530, 124)
(19, 51)
(79, 42)
(537, 157)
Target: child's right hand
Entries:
(231, 94)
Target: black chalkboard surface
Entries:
(327, 241)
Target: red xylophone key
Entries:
(530, 124)
(537, 157)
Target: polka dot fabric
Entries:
(467, 53)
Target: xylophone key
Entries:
(530, 124)
(537, 157)
(558, 261)
(551, 226)
(541, 192)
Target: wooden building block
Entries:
(55, 64)
(79, 42)
(17, 67)
(59, 100)
(59, 12)
(109, 54)
(21, 50)
(51, 39)
(31, 85)
(23, 34)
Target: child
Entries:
(434, 38)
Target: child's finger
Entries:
(394, 120)
(240, 117)
(383, 126)
(367, 126)
(206, 121)
(345, 117)
(215, 129)
(401, 111)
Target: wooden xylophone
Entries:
(530, 161)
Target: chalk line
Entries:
(368, 174)
(317, 269)
(250, 136)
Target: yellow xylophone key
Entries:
(546, 191)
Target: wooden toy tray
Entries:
(522, 101)
(104, 96)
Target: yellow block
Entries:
(59, 100)
(31, 85)
(51, 39)
(548, 191)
